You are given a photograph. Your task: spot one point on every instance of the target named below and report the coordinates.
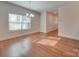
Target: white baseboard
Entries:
(71, 37)
(9, 37)
(48, 31)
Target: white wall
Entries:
(6, 8)
(69, 21)
(48, 22)
(43, 22)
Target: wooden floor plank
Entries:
(45, 45)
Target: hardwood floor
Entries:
(45, 45)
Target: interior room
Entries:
(39, 28)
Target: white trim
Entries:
(71, 37)
(9, 37)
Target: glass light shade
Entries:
(30, 15)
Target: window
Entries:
(19, 22)
(26, 24)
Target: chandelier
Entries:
(30, 14)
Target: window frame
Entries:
(21, 29)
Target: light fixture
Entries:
(30, 14)
(27, 14)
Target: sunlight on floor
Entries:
(56, 38)
(19, 49)
(49, 42)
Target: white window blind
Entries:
(19, 22)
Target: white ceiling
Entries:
(40, 6)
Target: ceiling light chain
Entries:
(30, 14)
